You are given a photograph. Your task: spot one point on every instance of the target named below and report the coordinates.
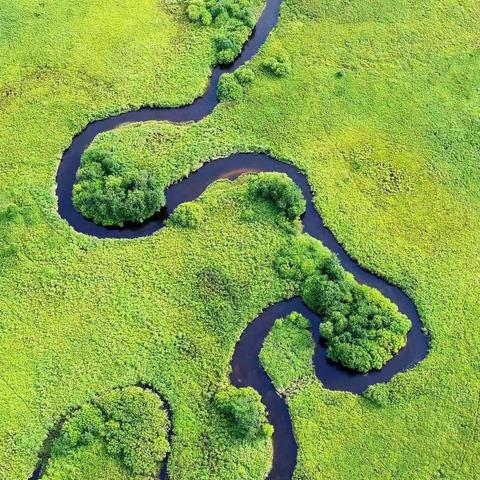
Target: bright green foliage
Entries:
(362, 328)
(197, 12)
(379, 394)
(245, 412)
(279, 188)
(188, 214)
(111, 194)
(289, 347)
(278, 66)
(229, 88)
(301, 258)
(233, 19)
(390, 148)
(231, 85)
(245, 75)
(132, 425)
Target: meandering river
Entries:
(246, 367)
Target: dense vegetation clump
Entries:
(244, 410)
(245, 75)
(231, 86)
(303, 256)
(131, 424)
(278, 66)
(234, 20)
(282, 191)
(188, 214)
(362, 328)
(289, 347)
(110, 193)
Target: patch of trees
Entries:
(362, 328)
(281, 191)
(131, 422)
(234, 20)
(111, 193)
(244, 411)
(278, 66)
(303, 257)
(188, 215)
(231, 86)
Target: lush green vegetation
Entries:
(362, 328)
(232, 19)
(278, 66)
(281, 191)
(111, 194)
(287, 351)
(380, 109)
(129, 424)
(243, 408)
(231, 86)
(188, 214)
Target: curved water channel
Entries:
(246, 367)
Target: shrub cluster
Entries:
(229, 89)
(231, 85)
(188, 214)
(362, 328)
(281, 190)
(278, 66)
(234, 20)
(131, 422)
(244, 410)
(110, 193)
(302, 257)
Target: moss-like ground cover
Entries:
(379, 108)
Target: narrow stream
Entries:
(246, 367)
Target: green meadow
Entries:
(377, 102)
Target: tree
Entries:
(362, 328)
(110, 193)
(245, 411)
(282, 191)
(278, 66)
(188, 214)
(228, 88)
(131, 422)
(233, 20)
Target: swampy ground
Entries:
(380, 110)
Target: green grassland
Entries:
(380, 109)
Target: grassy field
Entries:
(380, 109)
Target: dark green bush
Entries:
(298, 320)
(111, 194)
(228, 88)
(197, 11)
(378, 394)
(362, 328)
(234, 20)
(302, 257)
(188, 214)
(281, 190)
(245, 76)
(278, 66)
(245, 412)
(131, 422)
